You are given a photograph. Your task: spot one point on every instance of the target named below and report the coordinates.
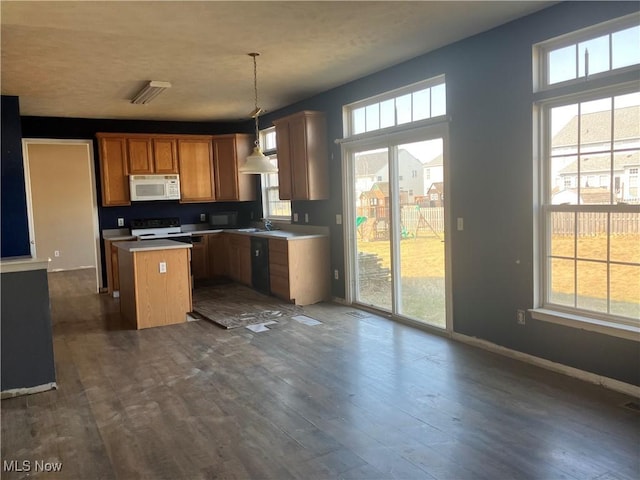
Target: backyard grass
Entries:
(424, 257)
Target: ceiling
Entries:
(88, 59)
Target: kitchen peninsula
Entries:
(155, 282)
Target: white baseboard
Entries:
(606, 382)
(16, 392)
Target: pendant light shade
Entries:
(257, 162)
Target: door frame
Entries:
(94, 199)
(389, 140)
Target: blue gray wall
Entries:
(489, 99)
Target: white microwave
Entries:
(154, 187)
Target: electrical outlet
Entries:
(163, 267)
(306, 218)
(295, 217)
(120, 222)
(521, 317)
(460, 224)
(336, 274)
(56, 253)
(203, 217)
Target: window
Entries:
(414, 174)
(420, 101)
(599, 50)
(428, 173)
(589, 260)
(272, 206)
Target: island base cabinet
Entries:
(299, 270)
(149, 297)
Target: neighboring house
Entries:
(434, 196)
(372, 168)
(596, 169)
(433, 172)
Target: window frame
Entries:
(264, 181)
(582, 89)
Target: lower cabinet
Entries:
(239, 249)
(199, 257)
(111, 253)
(299, 269)
(218, 255)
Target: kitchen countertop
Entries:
(22, 264)
(123, 234)
(148, 245)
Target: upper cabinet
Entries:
(152, 155)
(303, 165)
(208, 166)
(195, 162)
(113, 170)
(229, 151)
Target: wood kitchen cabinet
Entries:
(114, 170)
(140, 155)
(165, 155)
(199, 257)
(303, 165)
(298, 269)
(239, 258)
(147, 154)
(218, 254)
(229, 151)
(195, 162)
(111, 253)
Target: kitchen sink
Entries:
(250, 230)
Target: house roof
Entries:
(435, 162)
(371, 163)
(596, 127)
(602, 164)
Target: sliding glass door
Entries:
(398, 248)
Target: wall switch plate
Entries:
(306, 218)
(521, 317)
(460, 224)
(338, 219)
(120, 222)
(56, 253)
(295, 217)
(163, 267)
(203, 217)
(336, 274)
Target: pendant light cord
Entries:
(255, 92)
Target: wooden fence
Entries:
(373, 221)
(594, 223)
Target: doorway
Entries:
(61, 203)
(397, 246)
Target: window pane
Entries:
(598, 49)
(421, 105)
(562, 64)
(358, 119)
(591, 166)
(403, 109)
(626, 47)
(373, 117)
(387, 113)
(564, 129)
(564, 178)
(592, 235)
(592, 286)
(625, 290)
(562, 234)
(595, 125)
(625, 237)
(439, 100)
(562, 282)
(626, 120)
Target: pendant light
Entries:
(257, 162)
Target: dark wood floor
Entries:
(350, 398)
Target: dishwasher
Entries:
(260, 264)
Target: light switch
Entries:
(460, 224)
(295, 217)
(121, 222)
(163, 267)
(338, 219)
(306, 218)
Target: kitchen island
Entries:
(155, 282)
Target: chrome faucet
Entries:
(267, 224)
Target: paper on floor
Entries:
(260, 327)
(306, 320)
